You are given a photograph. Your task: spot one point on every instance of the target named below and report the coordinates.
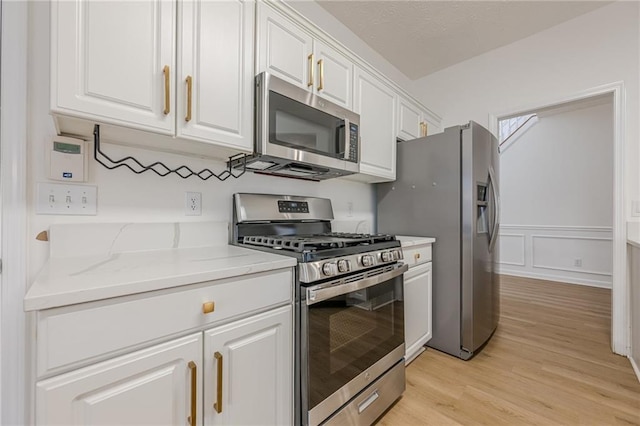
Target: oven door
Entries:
(352, 332)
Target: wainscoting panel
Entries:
(512, 249)
(579, 255)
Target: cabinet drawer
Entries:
(80, 333)
(416, 255)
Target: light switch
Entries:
(56, 198)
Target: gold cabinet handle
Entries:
(194, 390)
(189, 81)
(218, 404)
(423, 128)
(321, 72)
(167, 88)
(208, 307)
(416, 256)
(310, 82)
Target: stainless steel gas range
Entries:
(349, 308)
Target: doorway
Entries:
(619, 306)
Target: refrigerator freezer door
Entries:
(478, 208)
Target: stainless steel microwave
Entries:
(299, 134)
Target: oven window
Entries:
(299, 126)
(350, 333)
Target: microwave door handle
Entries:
(347, 138)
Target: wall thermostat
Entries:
(67, 159)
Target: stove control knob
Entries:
(386, 256)
(329, 269)
(367, 260)
(343, 266)
(397, 254)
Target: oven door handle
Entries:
(319, 293)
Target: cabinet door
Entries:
(284, 49)
(334, 75)
(376, 104)
(410, 124)
(417, 309)
(254, 356)
(151, 386)
(113, 62)
(215, 72)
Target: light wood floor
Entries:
(549, 363)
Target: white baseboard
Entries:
(635, 368)
(552, 277)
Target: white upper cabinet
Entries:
(113, 62)
(334, 75)
(410, 122)
(284, 48)
(215, 72)
(376, 102)
(287, 51)
(180, 68)
(414, 121)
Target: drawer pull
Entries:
(416, 256)
(208, 307)
(218, 404)
(367, 402)
(194, 397)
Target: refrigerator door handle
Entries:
(496, 216)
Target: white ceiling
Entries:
(421, 37)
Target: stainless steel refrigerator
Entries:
(446, 187)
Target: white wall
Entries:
(556, 197)
(592, 50)
(560, 172)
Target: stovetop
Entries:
(300, 227)
(318, 242)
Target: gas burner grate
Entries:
(317, 242)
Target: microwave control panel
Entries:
(353, 142)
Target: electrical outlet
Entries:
(349, 208)
(577, 262)
(54, 198)
(193, 204)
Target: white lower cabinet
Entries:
(248, 371)
(154, 386)
(418, 298)
(417, 309)
(213, 353)
(148, 387)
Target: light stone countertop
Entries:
(409, 241)
(72, 275)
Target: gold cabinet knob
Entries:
(208, 307)
(416, 256)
